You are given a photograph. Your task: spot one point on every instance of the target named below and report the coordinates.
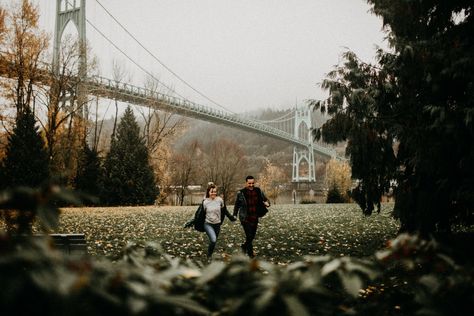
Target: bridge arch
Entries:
(303, 131)
(68, 11)
(72, 11)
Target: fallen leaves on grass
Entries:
(286, 234)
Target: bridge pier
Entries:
(307, 192)
(302, 130)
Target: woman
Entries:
(215, 211)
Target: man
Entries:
(249, 202)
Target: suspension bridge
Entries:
(294, 127)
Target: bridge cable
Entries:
(133, 61)
(160, 62)
(279, 119)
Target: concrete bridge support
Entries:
(302, 130)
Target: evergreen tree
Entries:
(128, 176)
(26, 161)
(89, 172)
(408, 120)
(334, 195)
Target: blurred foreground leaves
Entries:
(411, 276)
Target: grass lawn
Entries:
(287, 233)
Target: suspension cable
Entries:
(160, 62)
(131, 59)
(279, 119)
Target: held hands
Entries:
(266, 204)
(189, 223)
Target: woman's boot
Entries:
(210, 249)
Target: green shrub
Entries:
(308, 201)
(335, 196)
(410, 277)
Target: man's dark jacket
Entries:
(240, 206)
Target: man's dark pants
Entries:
(250, 230)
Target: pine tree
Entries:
(89, 172)
(26, 162)
(334, 195)
(128, 176)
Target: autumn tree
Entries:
(408, 120)
(338, 178)
(23, 49)
(65, 123)
(272, 180)
(185, 165)
(26, 162)
(34, 83)
(128, 177)
(159, 129)
(158, 125)
(225, 165)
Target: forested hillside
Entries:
(258, 148)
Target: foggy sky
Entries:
(242, 54)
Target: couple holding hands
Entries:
(250, 204)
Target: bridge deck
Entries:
(107, 88)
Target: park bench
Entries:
(71, 244)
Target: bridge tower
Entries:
(72, 11)
(302, 130)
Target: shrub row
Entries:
(410, 277)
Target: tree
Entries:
(26, 162)
(32, 84)
(224, 164)
(335, 195)
(128, 176)
(23, 49)
(158, 125)
(64, 122)
(338, 178)
(271, 180)
(408, 120)
(185, 166)
(159, 130)
(89, 172)
(119, 75)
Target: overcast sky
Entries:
(243, 54)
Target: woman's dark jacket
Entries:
(200, 217)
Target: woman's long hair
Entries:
(210, 186)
